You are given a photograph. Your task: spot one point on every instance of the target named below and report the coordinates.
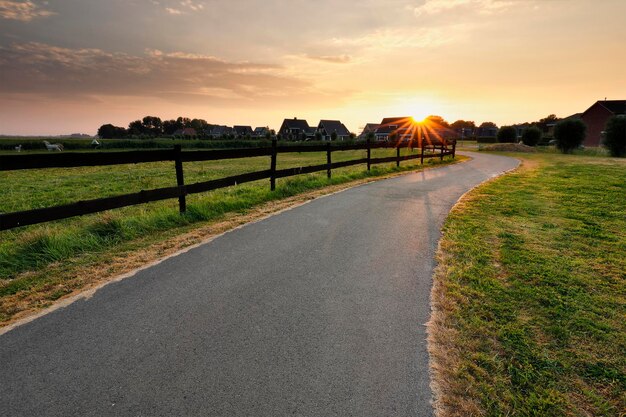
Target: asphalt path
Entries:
(316, 311)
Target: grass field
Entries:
(39, 263)
(530, 294)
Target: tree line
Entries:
(152, 126)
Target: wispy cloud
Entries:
(173, 11)
(391, 38)
(333, 59)
(36, 68)
(183, 7)
(24, 11)
(432, 7)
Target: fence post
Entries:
(369, 155)
(180, 178)
(328, 160)
(442, 151)
(398, 156)
(422, 157)
(273, 166)
(454, 149)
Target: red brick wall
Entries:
(595, 118)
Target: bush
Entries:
(507, 134)
(569, 134)
(615, 138)
(531, 136)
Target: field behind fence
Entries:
(181, 190)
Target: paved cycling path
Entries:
(316, 311)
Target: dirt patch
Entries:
(509, 147)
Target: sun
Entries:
(418, 111)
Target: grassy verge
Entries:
(42, 263)
(529, 298)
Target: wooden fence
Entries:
(66, 160)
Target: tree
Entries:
(543, 123)
(531, 136)
(152, 125)
(318, 136)
(136, 128)
(569, 134)
(463, 124)
(371, 136)
(268, 135)
(198, 124)
(333, 136)
(507, 134)
(171, 126)
(108, 131)
(615, 138)
(437, 120)
(488, 125)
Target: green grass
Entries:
(27, 254)
(532, 293)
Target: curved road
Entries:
(316, 311)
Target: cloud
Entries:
(333, 59)
(393, 38)
(433, 7)
(183, 7)
(24, 11)
(50, 71)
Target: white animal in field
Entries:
(18, 148)
(53, 146)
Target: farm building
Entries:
(596, 117)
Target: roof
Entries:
(397, 120)
(614, 106)
(336, 126)
(242, 130)
(261, 129)
(573, 116)
(370, 127)
(295, 123)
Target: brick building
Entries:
(596, 117)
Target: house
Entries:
(327, 127)
(401, 129)
(294, 129)
(186, 132)
(369, 128)
(260, 132)
(221, 131)
(597, 116)
(242, 131)
(487, 132)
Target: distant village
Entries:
(388, 129)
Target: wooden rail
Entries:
(181, 190)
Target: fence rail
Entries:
(69, 160)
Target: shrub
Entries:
(507, 134)
(615, 138)
(531, 136)
(569, 134)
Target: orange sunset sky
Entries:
(72, 65)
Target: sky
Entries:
(69, 66)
